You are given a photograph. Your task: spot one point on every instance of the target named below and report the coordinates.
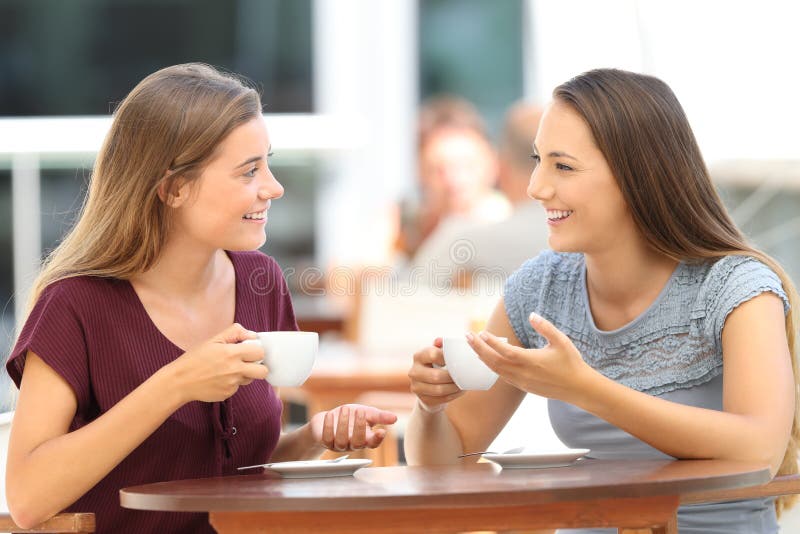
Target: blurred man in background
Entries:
(499, 247)
(457, 174)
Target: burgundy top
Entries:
(96, 334)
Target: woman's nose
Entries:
(271, 188)
(538, 187)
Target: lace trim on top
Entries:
(674, 344)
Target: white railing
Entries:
(61, 138)
(28, 144)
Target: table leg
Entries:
(671, 527)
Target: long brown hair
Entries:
(642, 131)
(165, 130)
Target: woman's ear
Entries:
(173, 191)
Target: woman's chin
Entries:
(244, 246)
(559, 245)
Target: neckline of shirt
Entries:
(152, 325)
(588, 310)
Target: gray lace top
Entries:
(672, 350)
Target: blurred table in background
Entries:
(321, 314)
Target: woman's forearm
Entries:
(431, 439)
(297, 445)
(683, 431)
(55, 474)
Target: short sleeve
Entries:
(55, 332)
(732, 281)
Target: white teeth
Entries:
(558, 214)
(258, 215)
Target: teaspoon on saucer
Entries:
(515, 450)
(331, 461)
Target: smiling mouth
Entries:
(558, 215)
(256, 216)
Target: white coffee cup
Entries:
(289, 355)
(464, 365)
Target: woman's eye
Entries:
(562, 167)
(536, 158)
(251, 173)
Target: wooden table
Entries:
(320, 314)
(635, 494)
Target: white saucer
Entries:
(319, 468)
(537, 460)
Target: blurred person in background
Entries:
(498, 249)
(654, 328)
(130, 363)
(457, 174)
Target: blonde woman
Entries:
(129, 364)
(652, 326)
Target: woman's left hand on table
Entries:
(351, 427)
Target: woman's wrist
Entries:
(298, 444)
(431, 409)
(307, 445)
(166, 382)
(588, 391)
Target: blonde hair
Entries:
(642, 131)
(165, 130)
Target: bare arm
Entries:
(471, 420)
(297, 445)
(49, 467)
(758, 389)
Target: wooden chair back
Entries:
(60, 523)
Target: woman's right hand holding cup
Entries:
(433, 386)
(214, 370)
